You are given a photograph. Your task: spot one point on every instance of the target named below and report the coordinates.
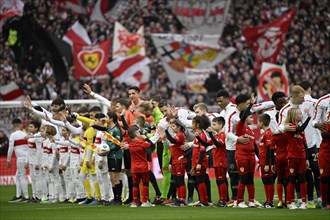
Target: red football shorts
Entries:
(178, 169)
(281, 164)
(220, 173)
(137, 177)
(245, 166)
(296, 166)
(324, 165)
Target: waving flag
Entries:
(129, 60)
(90, 61)
(272, 78)
(69, 5)
(77, 34)
(266, 40)
(195, 79)
(202, 17)
(85, 143)
(178, 52)
(111, 138)
(11, 92)
(10, 8)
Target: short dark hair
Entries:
(162, 103)
(156, 98)
(38, 108)
(123, 102)
(277, 95)
(35, 123)
(99, 115)
(137, 89)
(58, 101)
(241, 99)
(203, 121)
(132, 130)
(82, 109)
(223, 93)
(95, 108)
(242, 113)
(220, 120)
(16, 121)
(265, 119)
(305, 85)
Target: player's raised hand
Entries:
(320, 126)
(26, 103)
(87, 89)
(253, 98)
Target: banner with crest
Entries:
(178, 52)
(90, 61)
(266, 40)
(129, 63)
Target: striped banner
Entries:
(111, 138)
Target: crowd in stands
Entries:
(305, 50)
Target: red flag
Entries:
(90, 61)
(266, 40)
(77, 34)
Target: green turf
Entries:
(74, 211)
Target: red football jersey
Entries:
(265, 141)
(197, 149)
(219, 153)
(325, 145)
(281, 144)
(245, 151)
(176, 152)
(139, 162)
(296, 140)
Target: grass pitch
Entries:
(74, 211)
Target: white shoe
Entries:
(53, 201)
(252, 205)
(194, 203)
(147, 204)
(256, 203)
(303, 206)
(133, 205)
(293, 206)
(242, 205)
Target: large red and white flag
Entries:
(178, 52)
(99, 10)
(266, 40)
(77, 34)
(69, 5)
(272, 78)
(11, 92)
(90, 61)
(129, 63)
(200, 16)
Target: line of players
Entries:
(187, 142)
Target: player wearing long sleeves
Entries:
(32, 160)
(139, 162)
(219, 158)
(19, 144)
(297, 156)
(266, 159)
(245, 157)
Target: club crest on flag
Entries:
(90, 60)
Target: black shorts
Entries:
(127, 159)
(188, 164)
(209, 155)
(114, 165)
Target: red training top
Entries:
(176, 152)
(296, 147)
(139, 162)
(245, 151)
(219, 153)
(265, 142)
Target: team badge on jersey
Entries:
(241, 169)
(321, 171)
(291, 170)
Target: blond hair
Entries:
(296, 90)
(201, 106)
(292, 116)
(50, 130)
